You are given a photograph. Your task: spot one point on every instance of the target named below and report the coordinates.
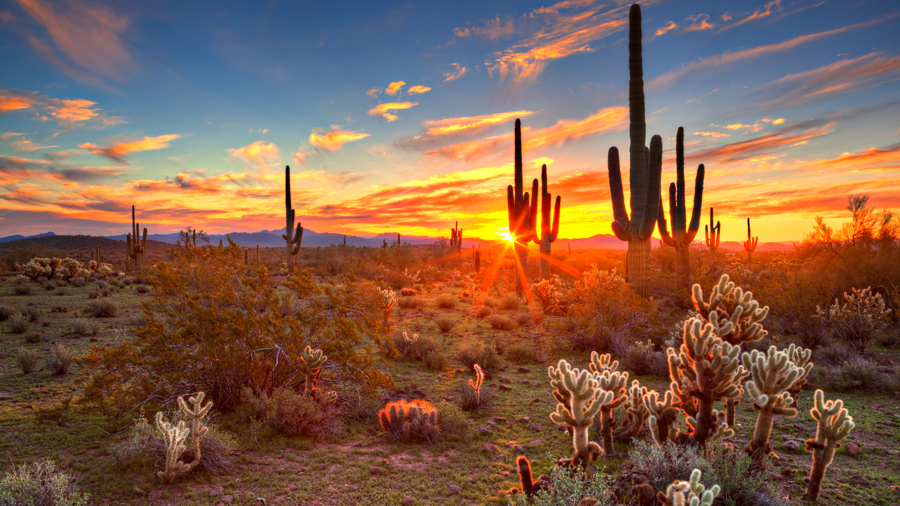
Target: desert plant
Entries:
(40, 484)
(471, 398)
(549, 232)
(22, 289)
(501, 322)
(58, 359)
(712, 232)
(579, 399)
(834, 424)
(33, 314)
(145, 444)
(483, 312)
(548, 295)
(134, 249)
(663, 415)
(472, 353)
(33, 337)
(410, 302)
(692, 492)
(293, 237)
(445, 323)
(524, 319)
(445, 301)
(141, 288)
(636, 411)
(19, 323)
(452, 422)
(564, 487)
(6, 312)
(522, 352)
(410, 420)
(175, 435)
(291, 413)
(509, 302)
(857, 321)
(101, 309)
(521, 211)
(492, 303)
(93, 293)
(434, 359)
(83, 327)
(750, 244)
(27, 359)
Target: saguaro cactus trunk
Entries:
(549, 229)
(750, 244)
(713, 232)
(522, 212)
(134, 249)
(645, 172)
(292, 238)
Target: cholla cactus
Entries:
(663, 416)
(835, 423)
(859, 319)
(705, 370)
(692, 493)
(772, 375)
(388, 299)
(636, 411)
(310, 365)
(174, 436)
(476, 385)
(408, 420)
(195, 413)
(602, 363)
(613, 382)
(580, 398)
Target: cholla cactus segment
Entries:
(310, 364)
(636, 412)
(195, 412)
(476, 385)
(311, 358)
(859, 319)
(662, 416)
(734, 314)
(613, 382)
(580, 399)
(174, 436)
(602, 363)
(773, 375)
(692, 493)
(388, 298)
(834, 424)
(409, 340)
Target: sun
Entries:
(506, 235)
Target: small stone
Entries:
(377, 470)
(216, 491)
(510, 444)
(793, 445)
(406, 500)
(488, 447)
(524, 381)
(227, 499)
(520, 449)
(523, 419)
(523, 370)
(852, 448)
(491, 423)
(504, 387)
(561, 428)
(455, 489)
(535, 426)
(536, 401)
(859, 479)
(292, 487)
(482, 428)
(893, 452)
(471, 479)
(536, 442)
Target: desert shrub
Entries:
(78, 282)
(145, 445)
(128, 281)
(642, 360)
(604, 312)
(93, 293)
(413, 346)
(50, 286)
(60, 292)
(483, 311)
(22, 289)
(6, 312)
(501, 322)
(547, 292)
(523, 319)
(509, 302)
(58, 360)
(106, 292)
(857, 321)
(59, 309)
(33, 337)
(410, 420)
(728, 468)
(83, 327)
(472, 353)
(445, 323)
(453, 423)
(568, 487)
(233, 323)
(19, 323)
(409, 292)
(101, 309)
(491, 303)
(142, 288)
(33, 314)
(27, 359)
(408, 302)
(40, 484)
(522, 352)
(833, 353)
(854, 373)
(291, 413)
(137, 319)
(445, 301)
(435, 360)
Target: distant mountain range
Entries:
(272, 238)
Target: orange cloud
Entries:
(258, 153)
(701, 22)
(758, 14)
(382, 109)
(27, 145)
(394, 88)
(334, 139)
(737, 126)
(118, 151)
(373, 92)
(89, 35)
(883, 158)
(418, 89)
(66, 112)
(765, 144)
(470, 124)
(712, 134)
(778, 121)
(12, 101)
(457, 72)
(664, 29)
(493, 29)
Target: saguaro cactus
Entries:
(549, 228)
(835, 423)
(645, 172)
(477, 259)
(682, 234)
(522, 211)
(750, 244)
(712, 232)
(580, 398)
(456, 237)
(292, 237)
(134, 249)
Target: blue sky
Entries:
(397, 117)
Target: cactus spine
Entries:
(579, 399)
(522, 212)
(645, 172)
(682, 234)
(292, 237)
(750, 244)
(134, 249)
(549, 228)
(835, 423)
(712, 232)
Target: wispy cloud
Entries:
(28, 145)
(67, 113)
(258, 153)
(470, 124)
(492, 29)
(334, 139)
(457, 72)
(668, 27)
(86, 38)
(382, 109)
(712, 134)
(699, 23)
(117, 151)
(373, 92)
(730, 57)
(418, 89)
(767, 143)
(764, 12)
(394, 88)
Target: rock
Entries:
(377, 470)
(510, 444)
(852, 448)
(292, 487)
(406, 500)
(490, 422)
(482, 428)
(487, 375)
(535, 426)
(454, 489)
(227, 499)
(524, 381)
(488, 447)
(471, 479)
(261, 500)
(523, 370)
(216, 491)
(793, 445)
(561, 428)
(523, 419)
(504, 387)
(536, 401)
(536, 442)
(859, 479)
(893, 452)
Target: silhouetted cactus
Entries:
(292, 237)
(645, 172)
(549, 224)
(834, 424)
(750, 244)
(712, 232)
(477, 260)
(456, 237)
(682, 234)
(134, 249)
(521, 209)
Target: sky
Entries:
(398, 117)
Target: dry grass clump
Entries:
(445, 323)
(523, 319)
(491, 303)
(33, 337)
(472, 353)
(19, 323)
(501, 322)
(483, 311)
(40, 484)
(445, 301)
(101, 309)
(27, 359)
(84, 327)
(58, 360)
(435, 360)
(412, 302)
(22, 289)
(522, 353)
(509, 302)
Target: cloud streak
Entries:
(334, 139)
(119, 150)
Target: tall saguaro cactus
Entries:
(456, 237)
(522, 211)
(549, 229)
(134, 249)
(682, 234)
(750, 244)
(712, 232)
(293, 238)
(645, 172)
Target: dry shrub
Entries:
(472, 353)
(604, 312)
(491, 303)
(445, 323)
(643, 360)
(501, 322)
(27, 359)
(19, 323)
(857, 321)
(22, 289)
(523, 353)
(445, 301)
(412, 302)
(435, 360)
(40, 484)
(413, 346)
(83, 327)
(483, 312)
(33, 337)
(58, 360)
(102, 309)
(453, 422)
(33, 314)
(145, 445)
(408, 292)
(523, 319)
(509, 302)
(291, 413)
(6, 312)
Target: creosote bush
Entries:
(22, 289)
(445, 323)
(27, 359)
(501, 322)
(522, 352)
(6, 312)
(40, 484)
(102, 309)
(84, 327)
(33, 337)
(19, 323)
(483, 312)
(472, 353)
(445, 301)
(58, 360)
(509, 302)
(292, 413)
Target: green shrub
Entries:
(522, 352)
(413, 346)
(84, 327)
(142, 288)
(101, 309)
(78, 282)
(58, 360)
(472, 353)
(22, 289)
(291, 413)
(19, 323)
(33, 314)
(27, 359)
(509, 302)
(483, 312)
(568, 487)
(501, 322)
(445, 301)
(145, 445)
(33, 337)
(40, 484)
(93, 293)
(453, 422)
(445, 323)
(435, 360)
(6, 312)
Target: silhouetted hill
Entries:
(19, 237)
(74, 246)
